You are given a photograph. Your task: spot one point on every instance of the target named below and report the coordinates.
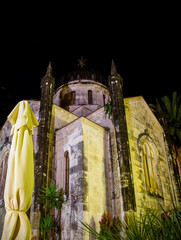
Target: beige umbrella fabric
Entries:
(20, 174)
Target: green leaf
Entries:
(167, 104)
(152, 107)
(174, 104)
(179, 113)
(172, 131)
(158, 224)
(45, 224)
(52, 196)
(108, 109)
(178, 132)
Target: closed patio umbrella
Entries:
(20, 174)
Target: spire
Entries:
(49, 69)
(115, 83)
(48, 76)
(113, 68)
(114, 76)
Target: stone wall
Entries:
(94, 176)
(87, 144)
(60, 118)
(113, 172)
(69, 139)
(95, 156)
(141, 120)
(99, 95)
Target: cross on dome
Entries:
(81, 61)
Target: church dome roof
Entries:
(82, 73)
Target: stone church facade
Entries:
(75, 146)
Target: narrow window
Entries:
(104, 99)
(89, 97)
(69, 98)
(73, 93)
(148, 159)
(145, 162)
(151, 163)
(67, 173)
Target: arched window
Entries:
(104, 99)
(3, 171)
(73, 97)
(67, 173)
(89, 97)
(149, 167)
(150, 158)
(68, 98)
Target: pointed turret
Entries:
(42, 156)
(113, 68)
(49, 70)
(115, 77)
(115, 82)
(48, 79)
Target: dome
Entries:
(81, 91)
(81, 74)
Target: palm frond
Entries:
(179, 113)
(108, 109)
(175, 102)
(52, 196)
(167, 105)
(152, 107)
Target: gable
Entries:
(81, 111)
(99, 117)
(61, 117)
(137, 109)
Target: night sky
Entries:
(145, 49)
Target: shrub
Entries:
(52, 198)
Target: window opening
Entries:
(67, 173)
(150, 157)
(73, 96)
(104, 99)
(89, 97)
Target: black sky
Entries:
(145, 46)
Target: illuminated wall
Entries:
(149, 158)
(94, 159)
(94, 179)
(86, 143)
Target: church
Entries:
(117, 164)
